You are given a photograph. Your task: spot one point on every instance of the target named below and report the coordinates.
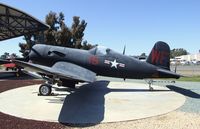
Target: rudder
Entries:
(160, 55)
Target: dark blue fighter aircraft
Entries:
(68, 66)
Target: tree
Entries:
(77, 31)
(50, 35)
(6, 55)
(61, 35)
(87, 46)
(58, 34)
(13, 55)
(178, 52)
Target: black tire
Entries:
(45, 90)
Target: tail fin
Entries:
(160, 55)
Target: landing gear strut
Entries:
(45, 90)
(150, 88)
(150, 83)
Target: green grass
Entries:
(190, 79)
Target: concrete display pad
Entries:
(98, 102)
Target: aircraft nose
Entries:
(36, 52)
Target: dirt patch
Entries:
(11, 122)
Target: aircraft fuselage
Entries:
(106, 63)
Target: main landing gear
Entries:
(150, 83)
(150, 87)
(45, 90)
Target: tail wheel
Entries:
(45, 90)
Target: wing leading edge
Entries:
(61, 70)
(4, 61)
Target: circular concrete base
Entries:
(101, 101)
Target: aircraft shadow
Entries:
(183, 91)
(85, 105)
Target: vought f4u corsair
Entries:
(68, 66)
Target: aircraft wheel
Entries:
(45, 90)
(151, 88)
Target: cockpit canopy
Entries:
(100, 50)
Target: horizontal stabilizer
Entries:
(168, 73)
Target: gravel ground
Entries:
(192, 93)
(173, 120)
(187, 117)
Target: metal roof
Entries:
(15, 23)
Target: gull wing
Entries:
(61, 70)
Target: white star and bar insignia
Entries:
(114, 63)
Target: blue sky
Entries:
(138, 24)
